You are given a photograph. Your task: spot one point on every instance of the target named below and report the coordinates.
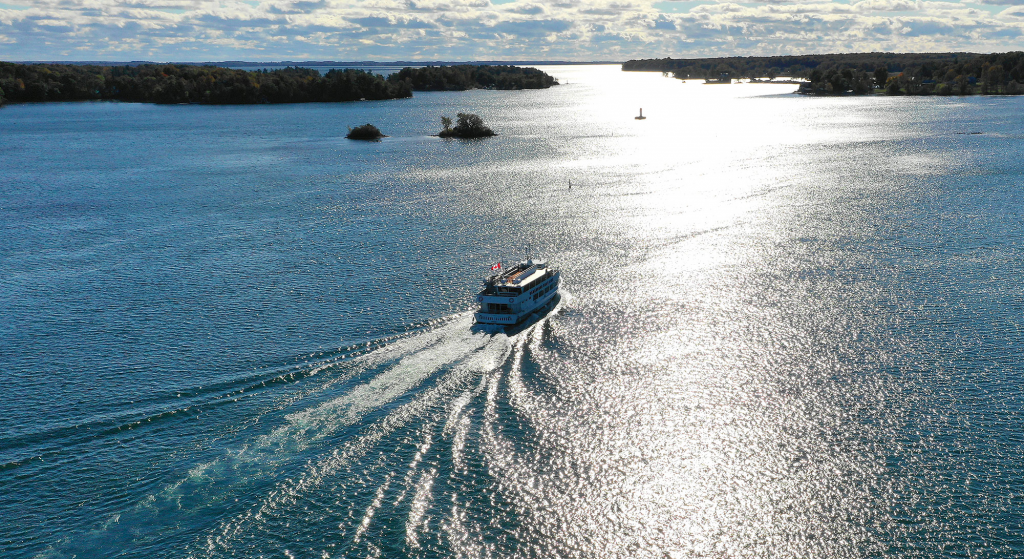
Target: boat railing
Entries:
(496, 293)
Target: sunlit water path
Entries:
(790, 327)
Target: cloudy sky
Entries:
(269, 30)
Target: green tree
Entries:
(467, 76)
(180, 83)
(469, 126)
(993, 78)
(839, 83)
(446, 123)
(365, 132)
(892, 86)
(909, 82)
(916, 68)
(472, 124)
(881, 76)
(861, 84)
(963, 85)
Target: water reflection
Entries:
(784, 324)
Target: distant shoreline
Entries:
(323, 63)
(219, 85)
(942, 73)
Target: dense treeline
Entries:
(467, 76)
(893, 73)
(796, 66)
(179, 83)
(182, 83)
(989, 74)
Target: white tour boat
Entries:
(510, 296)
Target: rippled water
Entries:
(790, 327)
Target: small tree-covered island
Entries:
(469, 126)
(466, 76)
(956, 73)
(365, 132)
(185, 83)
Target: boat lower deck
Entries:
(517, 319)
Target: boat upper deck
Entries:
(522, 278)
(516, 280)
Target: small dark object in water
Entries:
(365, 132)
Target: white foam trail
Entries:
(457, 428)
(464, 537)
(370, 510)
(518, 475)
(531, 406)
(418, 356)
(418, 509)
(399, 379)
(410, 472)
(467, 353)
(464, 543)
(501, 456)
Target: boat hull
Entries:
(525, 308)
(518, 319)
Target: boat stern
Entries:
(499, 319)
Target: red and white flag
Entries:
(496, 267)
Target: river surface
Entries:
(789, 327)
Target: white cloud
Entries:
(478, 29)
(888, 6)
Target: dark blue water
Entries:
(789, 327)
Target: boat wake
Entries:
(387, 449)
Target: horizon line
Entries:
(316, 62)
